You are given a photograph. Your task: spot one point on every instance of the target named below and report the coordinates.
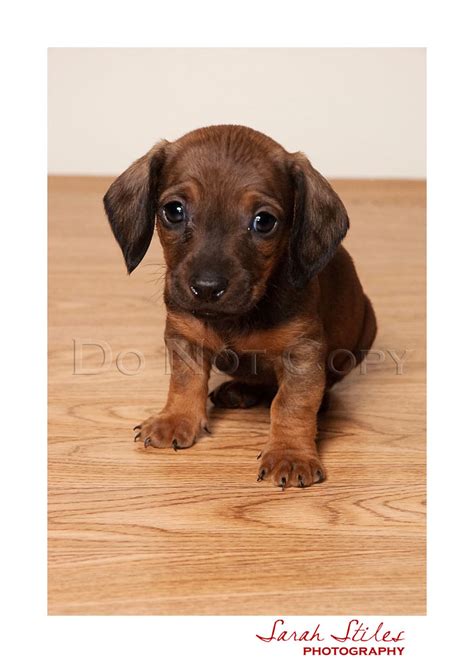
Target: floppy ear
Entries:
(320, 222)
(130, 205)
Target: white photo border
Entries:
(445, 30)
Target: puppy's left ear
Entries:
(131, 205)
(319, 225)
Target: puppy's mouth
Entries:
(206, 314)
(202, 313)
(213, 314)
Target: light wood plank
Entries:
(159, 532)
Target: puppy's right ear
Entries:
(131, 205)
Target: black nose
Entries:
(208, 286)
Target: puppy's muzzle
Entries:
(208, 286)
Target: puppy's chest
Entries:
(271, 342)
(243, 343)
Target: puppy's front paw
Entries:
(169, 430)
(291, 466)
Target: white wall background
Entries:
(355, 112)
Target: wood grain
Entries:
(159, 532)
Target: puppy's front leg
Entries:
(184, 415)
(290, 456)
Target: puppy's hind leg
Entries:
(237, 394)
(368, 333)
(325, 402)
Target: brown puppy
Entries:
(255, 271)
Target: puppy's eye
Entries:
(173, 212)
(264, 223)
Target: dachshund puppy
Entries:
(256, 277)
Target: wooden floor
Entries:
(159, 532)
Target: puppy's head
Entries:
(232, 208)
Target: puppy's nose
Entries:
(208, 286)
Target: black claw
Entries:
(261, 475)
(137, 427)
(136, 436)
(283, 483)
(206, 430)
(259, 455)
(147, 442)
(175, 445)
(300, 481)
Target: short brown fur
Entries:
(290, 304)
